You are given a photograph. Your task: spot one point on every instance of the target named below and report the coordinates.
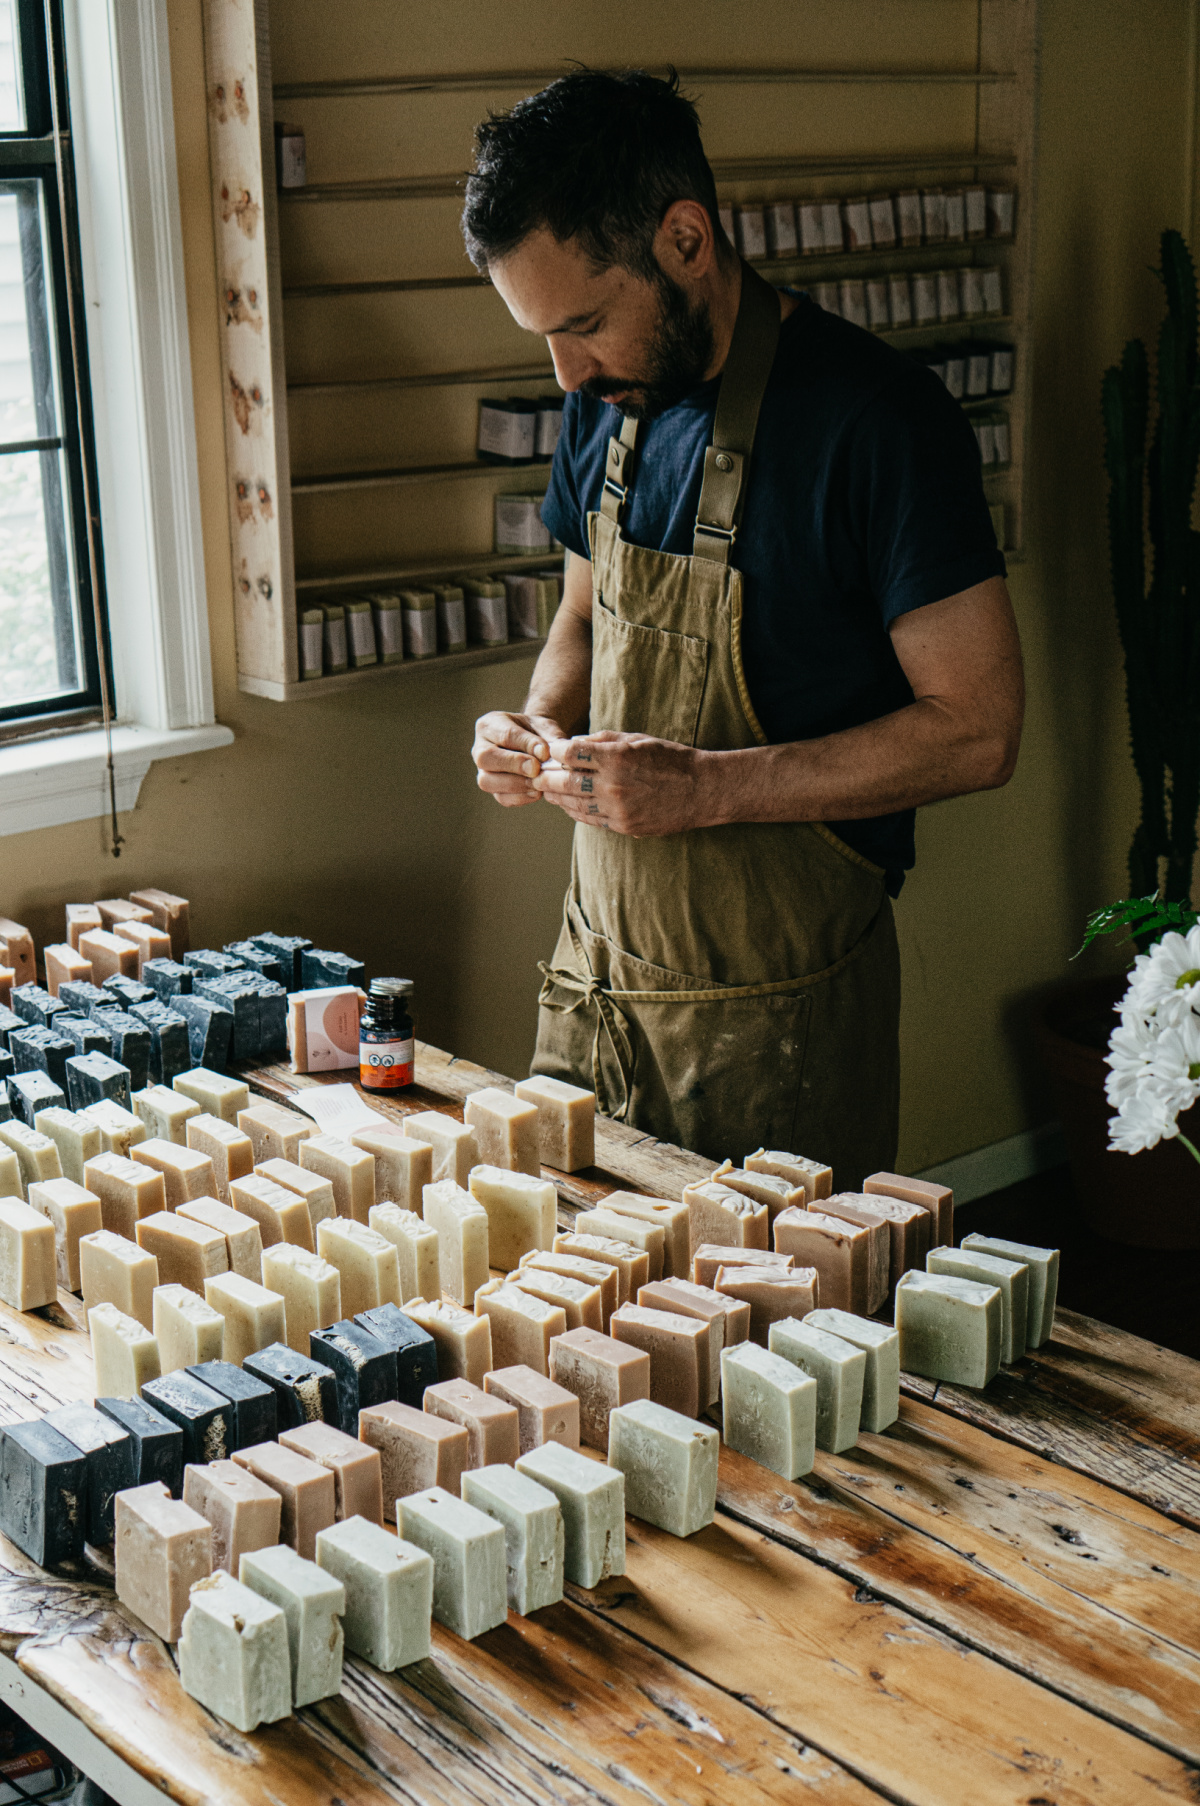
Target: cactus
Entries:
(1159, 624)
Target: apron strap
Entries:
(743, 381)
(618, 471)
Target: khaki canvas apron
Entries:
(724, 987)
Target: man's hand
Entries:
(509, 751)
(629, 783)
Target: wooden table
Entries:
(996, 1601)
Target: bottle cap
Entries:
(391, 987)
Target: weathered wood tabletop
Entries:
(998, 1600)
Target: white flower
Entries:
(1154, 1052)
(1145, 1120)
(1157, 975)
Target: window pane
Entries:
(28, 405)
(12, 99)
(39, 652)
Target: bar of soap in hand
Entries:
(416, 1245)
(881, 1377)
(566, 1122)
(522, 1213)
(389, 1592)
(233, 1653)
(950, 1329)
(769, 1410)
(838, 1367)
(470, 1595)
(244, 1513)
(162, 1549)
(532, 1520)
(592, 1499)
(670, 1466)
(312, 1603)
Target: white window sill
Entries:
(44, 783)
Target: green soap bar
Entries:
(950, 1329)
(470, 1593)
(881, 1346)
(1043, 1281)
(534, 1537)
(592, 1498)
(1011, 1279)
(839, 1370)
(670, 1465)
(770, 1409)
(389, 1591)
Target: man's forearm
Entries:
(560, 689)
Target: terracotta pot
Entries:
(1148, 1200)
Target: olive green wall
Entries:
(356, 819)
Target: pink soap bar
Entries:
(679, 1350)
(418, 1450)
(306, 1492)
(770, 1293)
(492, 1425)
(602, 1373)
(545, 1412)
(938, 1200)
(357, 1469)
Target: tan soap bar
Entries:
(602, 1373)
(81, 919)
(227, 1146)
(28, 1262)
(523, 1326)
(712, 1255)
(813, 1175)
(120, 1130)
(12, 1185)
(673, 1219)
(243, 1238)
(938, 1200)
(275, 1133)
(545, 1411)
(728, 1318)
(244, 1513)
(306, 1491)
(366, 1261)
(165, 1112)
(522, 1213)
(108, 955)
(281, 1215)
(909, 1229)
(215, 1093)
(613, 1227)
(403, 1165)
(73, 1212)
(491, 1423)
(680, 1350)
(719, 1214)
(840, 1251)
(253, 1315)
(115, 1271)
(37, 1156)
(311, 1289)
(417, 1449)
(63, 962)
(187, 1173)
(186, 1329)
(566, 1122)
(455, 1150)
(16, 950)
(588, 1272)
(771, 1294)
(506, 1130)
(350, 1170)
(162, 1548)
(765, 1188)
(76, 1139)
(463, 1243)
(187, 1253)
(150, 942)
(580, 1301)
(854, 1208)
(416, 1245)
(120, 909)
(316, 1191)
(632, 1264)
(357, 1469)
(463, 1341)
(168, 913)
(124, 1353)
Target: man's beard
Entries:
(680, 352)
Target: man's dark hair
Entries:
(595, 156)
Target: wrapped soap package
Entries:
(323, 1028)
(883, 222)
(856, 223)
(812, 227)
(908, 214)
(519, 526)
(956, 221)
(291, 161)
(389, 627)
(419, 614)
(451, 617)
(337, 657)
(751, 231)
(854, 302)
(900, 299)
(360, 634)
(521, 595)
(312, 635)
(781, 228)
(1001, 212)
(549, 426)
(487, 611)
(507, 431)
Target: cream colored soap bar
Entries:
(254, 1316)
(586, 1272)
(233, 1654)
(673, 1219)
(275, 1133)
(36, 1154)
(243, 1239)
(76, 1139)
(313, 1604)
(534, 1539)
(492, 1426)
(311, 1289)
(73, 1212)
(579, 1301)
(455, 1150)
(813, 1175)
(64, 962)
(165, 1113)
(187, 1173)
(719, 1214)
(602, 1373)
(366, 1261)
(523, 1326)
(840, 1251)
(227, 1147)
(679, 1350)
(281, 1215)
(416, 1245)
(124, 1353)
(611, 1225)
(506, 1130)
(769, 1410)
(765, 1188)
(81, 919)
(462, 1232)
(316, 1191)
(403, 1166)
(522, 1213)
(470, 1595)
(592, 1500)
(463, 1340)
(12, 1185)
(306, 1492)
(670, 1466)
(566, 1122)
(27, 1256)
(167, 912)
(115, 1271)
(127, 1191)
(108, 955)
(16, 951)
(187, 1330)
(350, 1170)
(770, 1293)
(632, 1264)
(389, 1592)
(120, 1130)
(545, 1412)
(188, 1254)
(162, 1549)
(150, 942)
(416, 1449)
(710, 1257)
(244, 1513)
(216, 1094)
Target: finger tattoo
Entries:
(587, 785)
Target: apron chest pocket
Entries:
(645, 680)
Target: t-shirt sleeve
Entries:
(562, 511)
(916, 494)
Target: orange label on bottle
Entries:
(385, 1065)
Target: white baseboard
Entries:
(985, 1170)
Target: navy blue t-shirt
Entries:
(864, 500)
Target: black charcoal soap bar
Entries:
(157, 1442)
(82, 998)
(305, 1391)
(127, 991)
(29, 1092)
(272, 1017)
(111, 1463)
(43, 1492)
(254, 958)
(33, 1004)
(130, 1044)
(206, 962)
(210, 1031)
(84, 1035)
(168, 977)
(237, 992)
(7, 1067)
(255, 1417)
(170, 1052)
(318, 969)
(288, 949)
(91, 1077)
(41, 1050)
(363, 1367)
(416, 1351)
(204, 1416)
(8, 1021)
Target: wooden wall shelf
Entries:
(529, 80)
(315, 687)
(410, 473)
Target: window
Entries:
(52, 636)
